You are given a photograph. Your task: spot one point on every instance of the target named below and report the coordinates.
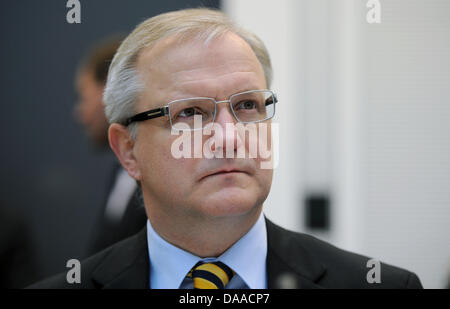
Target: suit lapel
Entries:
(289, 264)
(126, 266)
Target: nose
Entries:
(224, 114)
(227, 139)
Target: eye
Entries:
(246, 105)
(189, 112)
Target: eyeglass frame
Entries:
(164, 111)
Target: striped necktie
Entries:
(214, 275)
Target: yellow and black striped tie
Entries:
(214, 275)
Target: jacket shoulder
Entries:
(343, 269)
(59, 281)
(91, 265)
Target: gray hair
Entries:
(123, 85)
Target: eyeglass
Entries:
(247, 107)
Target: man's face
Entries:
(90, 109)
(197, 187)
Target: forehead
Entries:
(219, 68)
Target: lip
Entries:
(223, 171)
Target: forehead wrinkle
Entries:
(221, 89)
(209, 70)
(222, 79)
(211, 62)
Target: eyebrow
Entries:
(192, 95)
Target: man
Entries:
(122, 213)
(194, 72)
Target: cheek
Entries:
(266, 177)
(258, 141)
(160, 170)
(263, 179)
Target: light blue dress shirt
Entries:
(247, 257)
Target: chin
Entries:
(229, 202)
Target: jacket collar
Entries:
(126, 266)
(289, 263)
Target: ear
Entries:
(122, 144)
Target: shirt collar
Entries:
(247, 257)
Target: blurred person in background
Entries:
(122, 213)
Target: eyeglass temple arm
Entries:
(154, 113)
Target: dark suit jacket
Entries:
(305, 261)
(18, 265)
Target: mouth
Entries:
(224, 172)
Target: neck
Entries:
(203, 237)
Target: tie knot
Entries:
(215, 275)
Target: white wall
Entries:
(364, 114)
(407, 162)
